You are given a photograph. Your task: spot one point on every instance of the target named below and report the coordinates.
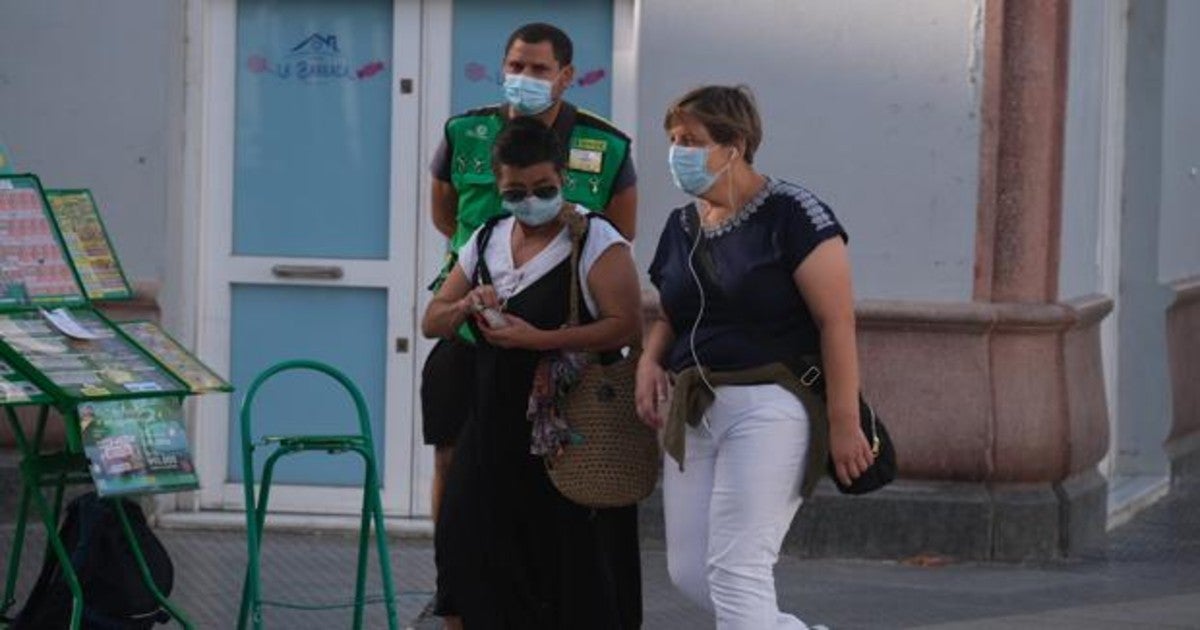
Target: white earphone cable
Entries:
(691, 263)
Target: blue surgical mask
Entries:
(533, 210)
(689, 169)
(527, 95)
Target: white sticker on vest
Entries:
(585, 160)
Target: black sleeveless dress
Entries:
(512, 553)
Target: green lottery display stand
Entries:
(117, 387)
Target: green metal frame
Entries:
(127, 292)
(56, 471)
(256, 512)
(70, 467)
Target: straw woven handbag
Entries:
(617, 461)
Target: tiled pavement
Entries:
(1149, 577)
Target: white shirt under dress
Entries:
(509, 280)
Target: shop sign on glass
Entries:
(315, 59)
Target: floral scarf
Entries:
(556, 373)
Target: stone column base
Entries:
(1185, 457)
(999, 419)
(965, 521)
(1183, 352)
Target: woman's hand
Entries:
(651, 392)
(483, 296)
(472, 303)
(518, 334)
(452, 305)
(848, 447)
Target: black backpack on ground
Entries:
(114, 596)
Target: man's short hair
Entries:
(525, 141)
(538, 32)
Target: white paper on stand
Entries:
(61, 319)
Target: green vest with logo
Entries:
(596, 151)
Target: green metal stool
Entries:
(256, 512)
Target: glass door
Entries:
(312, 223)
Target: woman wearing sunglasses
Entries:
(513, 552)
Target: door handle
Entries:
(307, 272)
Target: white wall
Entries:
(1092, 178)
(1143, 394)
(1079, 272)
(871, 104)
(86, 95)
(1179, 250)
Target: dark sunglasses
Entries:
(517, 195)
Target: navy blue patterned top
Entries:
(753, 313)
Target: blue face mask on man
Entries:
(689, 168)
(529, 96)
(535, 208)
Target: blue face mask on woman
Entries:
(689, 169)
(534, 208)
(527, 95)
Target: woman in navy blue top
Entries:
(754, 315)
(751, 275)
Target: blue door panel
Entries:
(312, 150)
(346, 328)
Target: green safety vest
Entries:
(596, 151)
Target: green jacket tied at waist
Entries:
(692, 398)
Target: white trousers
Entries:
(728, 511)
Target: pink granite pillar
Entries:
(1021, 151)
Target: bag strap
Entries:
(579, 225)
(481, 274)
(88, 511)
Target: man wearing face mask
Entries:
(599, 175)
(537, 72)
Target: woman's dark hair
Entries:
(525, 141)
(538, 32)
(728, 113)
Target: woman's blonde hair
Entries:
(727, 112)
